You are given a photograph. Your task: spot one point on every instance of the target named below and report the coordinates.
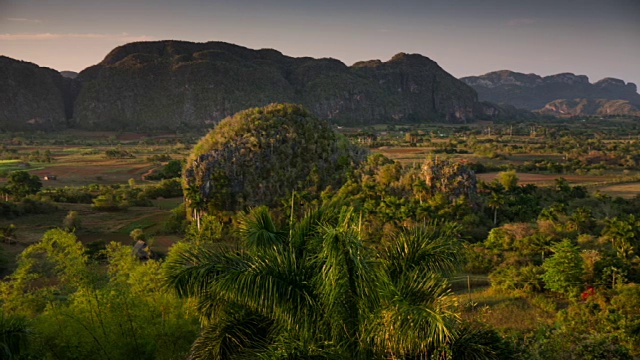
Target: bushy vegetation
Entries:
(171, 170)
(371, 259)
(262, 155)
(67, 309)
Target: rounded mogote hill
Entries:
(259, 156)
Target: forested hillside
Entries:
(183, 86)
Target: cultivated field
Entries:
(626, 191)
(83, 161)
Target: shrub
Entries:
(71, 222)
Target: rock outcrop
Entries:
(261, 155)
(589, 107)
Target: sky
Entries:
(465, 37)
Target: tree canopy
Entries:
(21, 183)
(316, 291)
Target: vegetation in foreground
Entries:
(310, 278)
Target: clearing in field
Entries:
(626, 191)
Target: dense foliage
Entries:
(364, 268)
(259, 156)
(67, 308)
(316, 291)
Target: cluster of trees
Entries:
(18, 196)
(20, 184)
(25, 189)
(559, 242)
(581, 251)
(118, 154)
(171, 170)
(60, 303)
(7, 153)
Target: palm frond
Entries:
(191, 270)
(14, 333)
(306, 230)
(415, 314)
(431, 247)
(479, 343)
(259, 231)
(300, 346)
(346, 283)
(236, 334)
(275, 284)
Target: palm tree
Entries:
(195, 201)
(317, 292)
(620, 231)
(496, 201)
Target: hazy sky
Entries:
(466, 37)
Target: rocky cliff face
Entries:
(173, 85)
(530, 91)
(588, 107)
(33, 98)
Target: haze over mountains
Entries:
(178, 85)
(560, 94)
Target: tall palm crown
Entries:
(317, 292)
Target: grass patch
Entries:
(143, 224)
(7, 166)
(167, 204)
(508, 311)
(626, 191)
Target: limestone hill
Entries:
(32, 97)
(177, 85)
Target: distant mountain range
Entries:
(581, 107)
(185, 86)
(562, 94)
(177, 85)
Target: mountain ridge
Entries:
(39, 97)
(227, 78)
(534, 92)
(179, 85)
(589, 107)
